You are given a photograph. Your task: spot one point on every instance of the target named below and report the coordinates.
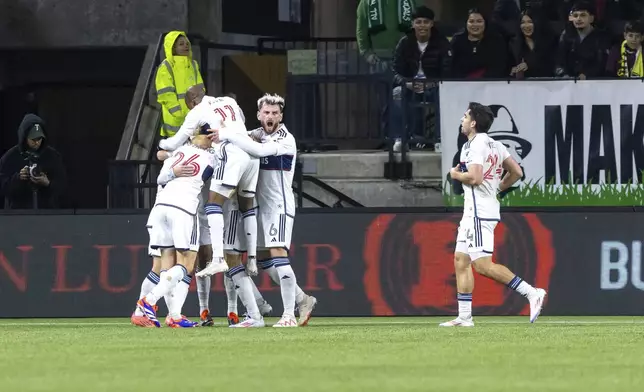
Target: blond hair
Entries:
(270, 99)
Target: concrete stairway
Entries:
(360, 175)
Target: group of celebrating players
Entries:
(221, 185)
(223, 191)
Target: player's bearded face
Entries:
(270, 116)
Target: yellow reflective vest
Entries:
(174, 76)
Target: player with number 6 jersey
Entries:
(483, 161)
(275, 146)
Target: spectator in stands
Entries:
(379, 26)
(625, 59)
(175, 74)
(422, 54)
(582, 49)
(478, 52)
(532, 48)
(32, 174)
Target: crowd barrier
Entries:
(364, 262)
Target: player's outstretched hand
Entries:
(182, 171)
(213, 134)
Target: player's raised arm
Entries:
(253, 148)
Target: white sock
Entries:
(147, 285)
(250, 228)
(168, 280)
(259, 299)
(464, 305)
(288, 282)
(243, 283)
(203, 292)
(520, 286)
(216, 223)
(268, 266)
(231, 293)
(179, 295)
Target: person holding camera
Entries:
(32, 175)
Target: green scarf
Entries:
(376, 18)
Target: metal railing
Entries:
(128, 188)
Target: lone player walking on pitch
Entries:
(481, 166)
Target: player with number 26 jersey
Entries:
(183, 192)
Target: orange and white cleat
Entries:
(205, 320)
(233, 318)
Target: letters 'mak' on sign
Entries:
(575, 146)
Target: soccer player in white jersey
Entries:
(152, 278)
(175, 224)
(235, 170)
(481, 166)
(277, 152)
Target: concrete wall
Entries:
(48, 23)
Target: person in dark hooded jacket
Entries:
(32, 174)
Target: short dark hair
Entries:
(583, 6)
(482, 115)
(423, 12)
(634, 27)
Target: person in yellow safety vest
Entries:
(175, 74)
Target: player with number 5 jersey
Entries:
(482, 164)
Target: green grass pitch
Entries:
(332, 354)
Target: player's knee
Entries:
(246, 203)
(156, 265)
(187, 259)
(233, 259)
(278, 252)
(216, 198)
(461, 261)
(483, 265)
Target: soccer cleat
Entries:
(214, 267)
(148, 312)
(141, 321)
(205, 319)
(286, 322)
(233, 318)
(458, 322)
(306, 308)
(249, 323)
(181, 322)
(536, 304)
(251, 266)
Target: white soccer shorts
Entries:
(475, 237)
(174, 228)
(275, 230)
(235, 169)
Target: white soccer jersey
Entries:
(211, 113)
(276, 172)
(481, 200)
(183, 192)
